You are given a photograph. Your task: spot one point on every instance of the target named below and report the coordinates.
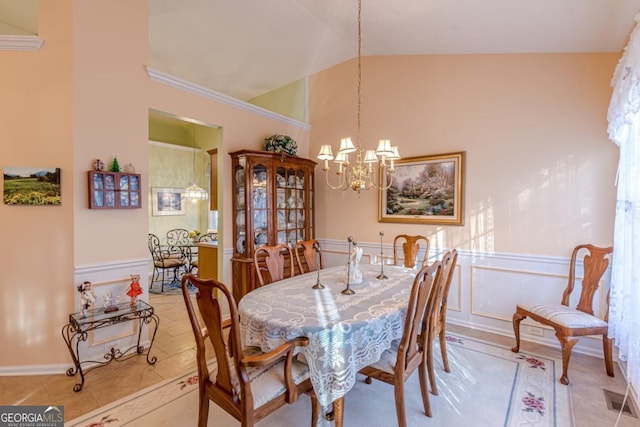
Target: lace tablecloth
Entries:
(346, 332)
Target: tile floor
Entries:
(174, 348)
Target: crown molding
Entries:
(22, 43)
(204, 92)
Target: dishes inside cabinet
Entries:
(240, 177)
(260, 179)
(241, 244)
(282, 219)
(282, 237)
(260, 219)
(291, 238)
(240, 219)
(261, 239)
(280, 200)
(281, 181)
(240, 199)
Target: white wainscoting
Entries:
(486, 288)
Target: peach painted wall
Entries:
(36, 116)
(540, 169)
(84, 95)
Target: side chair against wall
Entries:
(249, 385)
(570, 323)
(397, 364)
(205, 238)
(410, 250)
(163, 260)
(273, 263)
(307, 256)
(437, 326)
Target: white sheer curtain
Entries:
(624, 130)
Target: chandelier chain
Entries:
(359, 71)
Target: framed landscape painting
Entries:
(31, 186)
(427, 189)
(167, 201)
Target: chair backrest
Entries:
(178, 237)
(308, 253)
(410, 350)
(211, 298)
(448, 276)
(208, 238)
(410, 250)
(595, 263)
(273, 263)
(154, 247)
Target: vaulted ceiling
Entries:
(245, 48)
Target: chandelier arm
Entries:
(341, 181)
(382, 177)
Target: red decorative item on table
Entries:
(134, 289)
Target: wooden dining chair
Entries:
(163, 260)
(410, 250)
(273, 263)
(568, 322)
(249, 385)
(397, 364)
(437, 326)
(308, 253)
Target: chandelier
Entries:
(362, 174)
(194, 192)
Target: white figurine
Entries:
(355, 275)
(110, 302)
(87, 297)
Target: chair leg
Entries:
(517, 318)
(607, 344)
(203, 408)
(432, 372)
(567, 344)
(399, 394)
(443, 349)
(315, 408)
(424, 389)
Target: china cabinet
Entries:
(114, 190)
(273, 202)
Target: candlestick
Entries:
(381, 276)
(318, 285)
(348, 290)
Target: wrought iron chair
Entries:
(410, 250)
(163, 260)
(397, 364)
(570, 323)
(308, 253)
(273, 263)
(247, 384)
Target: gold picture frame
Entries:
(425, 190)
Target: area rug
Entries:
(488, 386)
(173, 288)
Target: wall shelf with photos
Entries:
(114, 190)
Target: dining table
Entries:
(346, 332)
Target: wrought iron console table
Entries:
(80, 324)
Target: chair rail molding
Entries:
(20, 43)
(487, 286)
